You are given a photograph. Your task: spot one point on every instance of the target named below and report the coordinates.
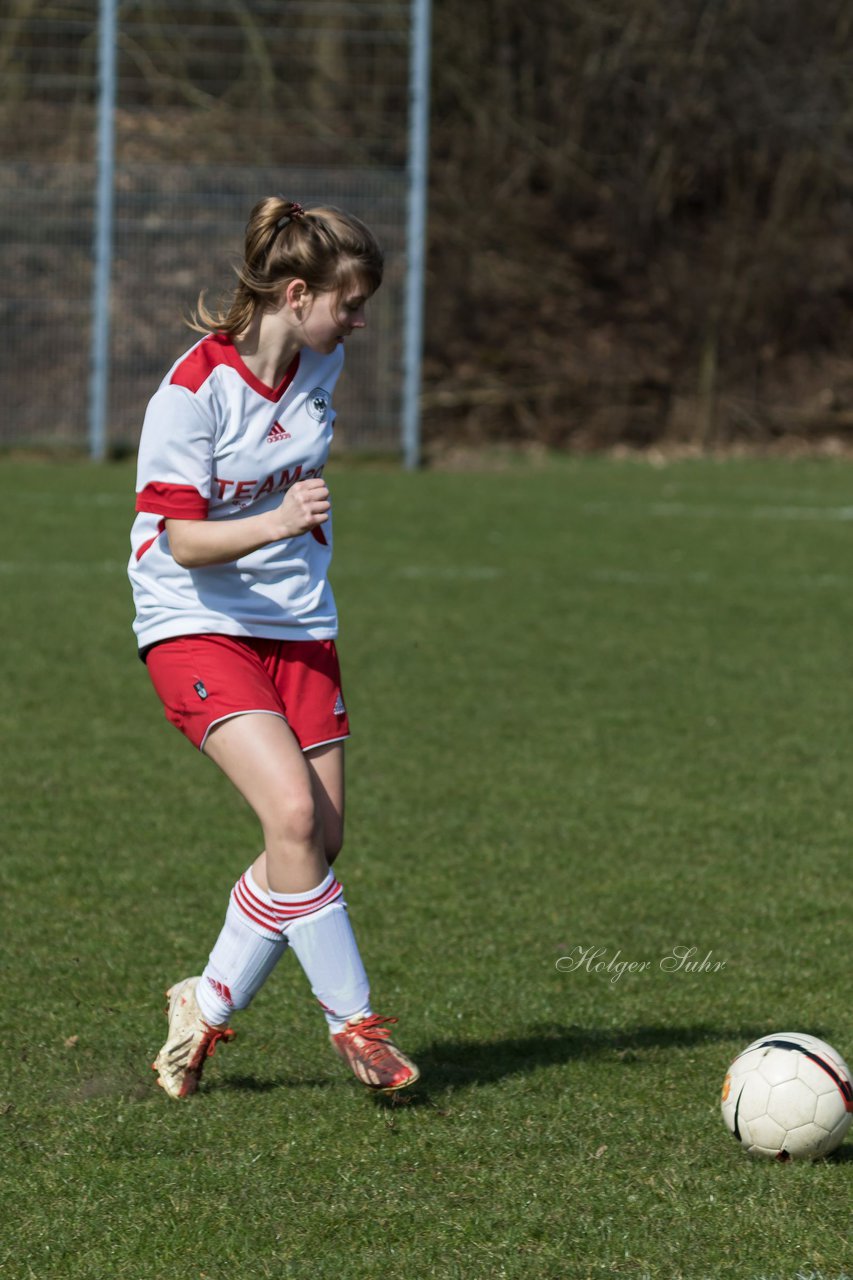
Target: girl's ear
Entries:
(297, 293)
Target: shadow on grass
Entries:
(254, 1084)
(449, 1064)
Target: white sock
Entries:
(244, 955)
(318, 928)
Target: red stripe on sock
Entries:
(287, 911)
(253, 907)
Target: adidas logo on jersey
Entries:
(277, 433)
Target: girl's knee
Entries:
(294, 822)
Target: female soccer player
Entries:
(236, 621)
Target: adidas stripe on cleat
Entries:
(190, 1042)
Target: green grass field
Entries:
(596, 705)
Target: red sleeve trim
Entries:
(175, 501)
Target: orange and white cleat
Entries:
(365, 1045)
(191, 1041)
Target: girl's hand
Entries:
(305, 505)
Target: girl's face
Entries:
(331, 317)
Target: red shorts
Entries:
(202, 680)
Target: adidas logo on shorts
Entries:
(339, 708)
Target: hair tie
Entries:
(296, 211)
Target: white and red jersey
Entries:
(217, 444)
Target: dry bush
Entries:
(639, 223)
(640, 220)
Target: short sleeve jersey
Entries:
(217, 444)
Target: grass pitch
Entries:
(601, 712)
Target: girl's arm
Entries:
(195, 543)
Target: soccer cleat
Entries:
(190, 1042)
(366, 1047)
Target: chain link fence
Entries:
(217, 104)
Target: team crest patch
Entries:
(317, 403)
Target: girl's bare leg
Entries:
(326, 767)
(261, 756)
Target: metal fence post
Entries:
(99, 376)
(95, 205)
(419, 73)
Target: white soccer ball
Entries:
(788, 1096)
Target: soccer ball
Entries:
(788, 1096)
